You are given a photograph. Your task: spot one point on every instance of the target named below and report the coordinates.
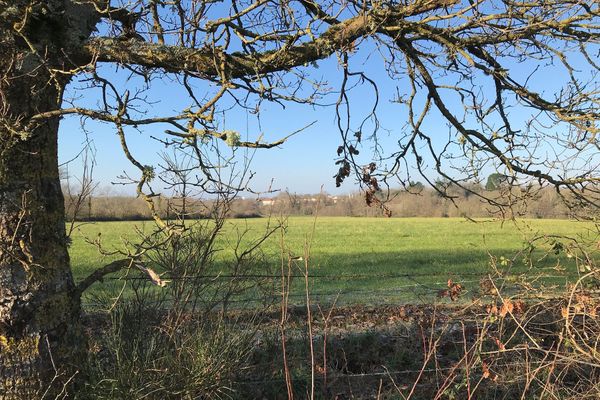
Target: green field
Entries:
(371, 260)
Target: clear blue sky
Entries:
(305, 163)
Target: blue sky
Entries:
(302, 164)
(305, 163)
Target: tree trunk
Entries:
(41, 340)
(40, 335)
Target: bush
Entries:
(177, 341)
(140, 355)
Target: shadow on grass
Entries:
(372, 277)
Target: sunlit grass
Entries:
(370, 260)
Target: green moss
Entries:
(22, 348)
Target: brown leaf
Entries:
(487, 374)
(519, 307)
(492, 309)
(154, 277)
(507, 308)
(499, 344)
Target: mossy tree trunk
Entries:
(40, 335)
(39, 329)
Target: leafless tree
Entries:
(467, 72)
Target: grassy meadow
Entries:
(368, 260)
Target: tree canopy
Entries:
(475, 74)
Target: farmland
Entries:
(369, 260)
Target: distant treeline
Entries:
(422, 202)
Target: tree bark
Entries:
(39, 329)
(41, 339)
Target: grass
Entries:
(370, 260)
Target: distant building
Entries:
(267, 202)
